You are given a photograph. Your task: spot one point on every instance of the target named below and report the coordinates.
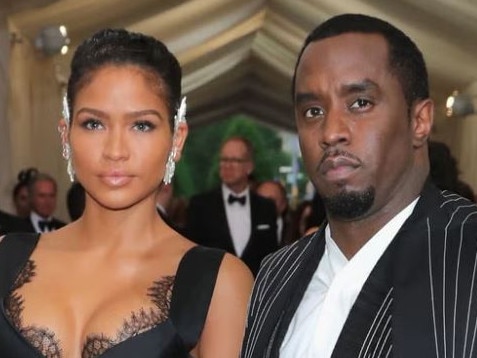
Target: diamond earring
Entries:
(170, 166)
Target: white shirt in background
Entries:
(238, 218)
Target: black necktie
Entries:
(239, 199)
(44, 225)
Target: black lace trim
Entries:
(45, 341)
(139, 322)
(42, 339)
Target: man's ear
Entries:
(422, 121)
(63, 130)
(251, 167)
(179, 139)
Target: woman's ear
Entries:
(179, 139)
(422, 121)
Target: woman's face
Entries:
(120, 136)
(22, 202)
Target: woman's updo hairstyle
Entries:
(24, 177)
(121, 47)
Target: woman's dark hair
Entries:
(75, 201)
(24, 178)
(405, 59)
(121, 47)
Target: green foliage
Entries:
(183, 181)
(199, 162)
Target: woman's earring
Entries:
(66, 151)
(69, 166)
(170, 166)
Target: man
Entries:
(275, 191)
(232, 217)
(392, 273)
(42, 193)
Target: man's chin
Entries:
(349, 204)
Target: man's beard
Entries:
(349, 205)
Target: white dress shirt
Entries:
(35, 220)
(279, 229)
(238, 219)
(332, 291)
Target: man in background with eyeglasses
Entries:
(231, 217)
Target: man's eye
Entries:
(361, 103)
(313, 112)
(144, 126)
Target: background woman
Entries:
(119, 282)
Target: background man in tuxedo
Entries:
(42, 194)
(393, 271)
(232, 217)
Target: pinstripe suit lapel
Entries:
(367, 329)
(279, 287)
(296, 289)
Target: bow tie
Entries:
(45, 225)
(239, 199)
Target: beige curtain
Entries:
(6, 176)
(34, 111)
(460, 134)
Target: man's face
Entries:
(352, 121)
(235, 165)
(43, 199)
(273, 192)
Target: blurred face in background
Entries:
(272, 190)
(22, 202)
(235, 165)
(43, 198)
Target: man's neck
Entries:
(237, 189)
(351, 236)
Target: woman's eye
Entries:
(144, 126)
(361, 103)
(313, 112)
(92, 124)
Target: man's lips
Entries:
(338, 167)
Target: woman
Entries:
(119, 282)
(20, 196)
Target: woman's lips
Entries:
(116, 180)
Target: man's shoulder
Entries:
(58, 222)
(12, 223)
(457, 208)
(205, 195)
(4, 215)
(261, 200)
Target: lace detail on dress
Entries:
(42, 339)
(48, 345)
(141, 321)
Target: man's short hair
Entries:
(40, 177)
(405, 59)
(248, 145)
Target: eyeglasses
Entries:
(230, 160)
